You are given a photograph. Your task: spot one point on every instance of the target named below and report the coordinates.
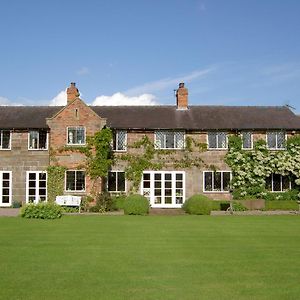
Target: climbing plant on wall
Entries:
(55, 182)
(250, 168)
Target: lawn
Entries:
(154, 257)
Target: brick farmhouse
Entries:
(32, 138)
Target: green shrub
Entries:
(281, 205)
(104, 202)
(285, 196)
(119, 201)
(41, 211)
(70, 209)
(16, 204)
(198, 205)
(136, 205)
(238, 207)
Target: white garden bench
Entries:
(68, 200)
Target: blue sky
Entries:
(233, 52)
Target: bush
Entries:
(104, 202)
(16, 204)
(119, 201)
(70, 209)
(136, 205)
(198, 205)
(41, 211)
(238, 207)
(281, 205)
(285, 196)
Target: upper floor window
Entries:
(278, 183)
(120, 140)
(38, 140)
(169, 140)
(116, 181)
(276, 140)
(5, 140)
(217, 140)
(76, 135)
(75, 181)
(247, 140)
(218, 181)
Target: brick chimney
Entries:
(72, 92)
(182, 97)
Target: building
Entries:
(34, 137)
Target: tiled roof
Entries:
(163, 117)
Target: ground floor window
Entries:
(164, 188)
(75, 181)
(218, 181)
(36, 186)
(5, 188)
(278, 183)
(116, 181)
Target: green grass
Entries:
(154, 257)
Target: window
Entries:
(5, 140)
(120, 140)
(36, 186)
(217, 140)
(116, 181)
(76, 135)
(169, 140)
(218, 181)
(247, 140)
(276, 140)
(38, 140)
(5, 188)
(164, 188)
(75, 181)
(278, 183)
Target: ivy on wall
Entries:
(55, 182)
(250, 168)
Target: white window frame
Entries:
(1, 137)
(38, 149)
(75, 144)
(37, 186)
(125, 188)
(276, 131)
(75, 191)
(152, 188)
(251, 148)
(281, 190)
(10, 189)
(116, 137)
(213, 191)
(168, 131)
(217, 148)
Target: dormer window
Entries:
(38, 140)
(76, 136)
(169, 139)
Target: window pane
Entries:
(276, 183)
(33, 139)
(5, 143)
(169, 140)
(159, 140)
(71, 136)
(222, 140)
(269, 183)
(121, 181)
(112, 181)
(226, 181)
(280, 140)
(208, 181)
(271, 140)
(212, 140)
(80, 181)
(121, 140)
(42, 139)
(285, 183)
(146, 176)
(217, 181)
(5, 175)
(70, 181)
(179, 140)
(247, 137)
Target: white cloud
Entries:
(60, 99)
(121, 99)
(83, 71)
(6, 102)
(164, 83)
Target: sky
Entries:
(135, 52)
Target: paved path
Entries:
(9, 212)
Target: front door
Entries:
(164, 188)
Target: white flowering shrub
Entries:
(250, 168)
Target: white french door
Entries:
(5, 188)
(36, 186)
(165, 189)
